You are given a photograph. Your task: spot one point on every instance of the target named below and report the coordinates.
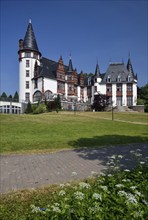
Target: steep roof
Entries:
(30, 40)
(115, 71)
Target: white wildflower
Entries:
(145, 202)
(122, 193)
(133, 187)
(56, 209)
(119, 185)
(74, 173)
(142, 162)
(35, 209)
(131, 198)
(120, 156)
(109, 175)
(62, 193)
(137, 193)
(113, 157)
(97, 196)
(140, 172)
(84, 185)
(102, 174)
(126, 170)
(104, 188)
(62, 185)
(79, 195)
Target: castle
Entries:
(41, 78)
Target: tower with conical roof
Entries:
(29, 55)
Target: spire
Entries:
(29, 40)
(97, 71)
(129, 66)
(70, 67)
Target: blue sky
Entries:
(89, 30)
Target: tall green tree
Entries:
(28, 108)
(57, 103)
(16, 97)
(4, 96)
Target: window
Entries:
(27, 63)
(129, 87)
(128, 78)
(119, 79)
(95, 88)
(119, 101)
(109, 88)
(108, 79)
(27, 84)
(37, 96)
(27, 73)
(27, 96)
(36, 83)
(119, 87)
(129, 101)
(28, 55)
(48, 95)
(35, 55)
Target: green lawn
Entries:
(52, 131)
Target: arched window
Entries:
(48, 94)
(37, 96)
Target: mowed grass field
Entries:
(65, 130)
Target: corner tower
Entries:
(29, 54)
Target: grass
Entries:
(52, 131)
(116, 194)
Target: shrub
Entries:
(28, 109)
(40, 108)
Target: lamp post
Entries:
(112, 111)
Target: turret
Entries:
(29, 56)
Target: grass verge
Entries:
(43, 133)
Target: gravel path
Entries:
(38, 170)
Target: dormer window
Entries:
(119, 79)
(128, 78)
(108, 79)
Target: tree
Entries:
(28, 108)
(58, 103)
(16, 97)
(100, 102)
(4, 96)
(142, 94)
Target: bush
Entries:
(41, 108)
(140, 101)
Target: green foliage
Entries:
(41, 108)
(57, 103)
(140, 101)
(100, 102)
(28, 109)
(3, 96)
(143, 94)
(116, 194)
(54, 105)
(16, 97)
